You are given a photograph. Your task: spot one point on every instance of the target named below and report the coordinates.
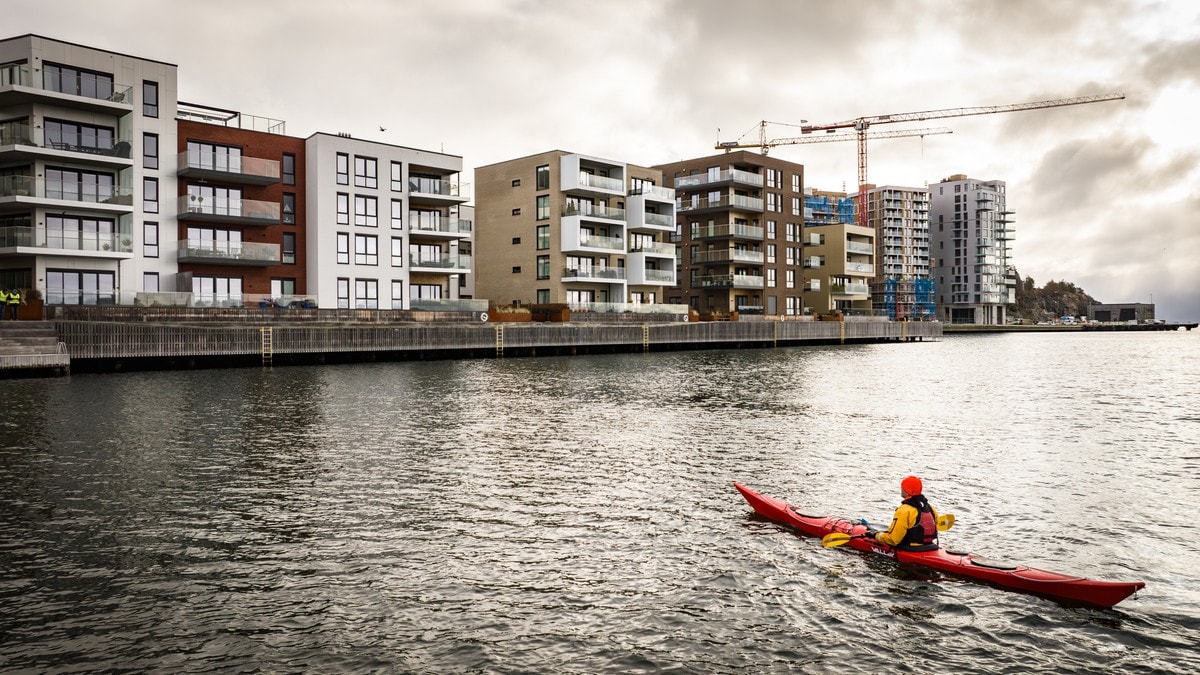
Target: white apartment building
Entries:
(971, 227)
(385, 228)
(87, 171)
(903, 285)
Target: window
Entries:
(771, 253)
(343, 208)
(150, 282)
(424, 220)
(774, 178)
(70, 287)
(770, 229)
(543, 296)
(425, 254)
(516, 182)
(366, 249)
(77, 81)
(543, 237)
(288, 207)
(365, 211)
(516, 269)
(543, 267)
(282, 287)
(398, 251)
(289, 248)
(425, 291)
(796, 187)
(543, 177)
(543, 207)
(366, 294)
(289, 169)
(218, 291)
(397, 177)
(343, 293)
(149, 98)
(343, 248)
(343, 169)
(770, 277)
(78, 185)
(516, 211)
(791, 278)
(150, 195)
(150, 240)
(80, 233)
(77, 136)
(150, 151)
(516, 240)
(397, 214)
(397, 295)
(215, 200)
(226, 158)
(365, 172)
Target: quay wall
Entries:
(94, 345)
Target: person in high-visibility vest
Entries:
(3, 303)
(14, 301)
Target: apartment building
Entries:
(563, 227)
(389, 231)
(903, 286)
(241, 210)
(739, 222)
(971, 228)
(86, 169)
(838, 256)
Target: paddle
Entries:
(944, 522)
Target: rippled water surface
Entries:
(577, 514)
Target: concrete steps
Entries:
(31, 348)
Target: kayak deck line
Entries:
(1067, 589)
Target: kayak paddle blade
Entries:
(945, 522)
(835, 539)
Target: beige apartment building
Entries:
(839, 255)
(739, 228)
(562, 227)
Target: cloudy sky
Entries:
(1106, 195)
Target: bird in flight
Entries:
(382, 129)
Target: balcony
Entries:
(20, 86)
(736, 231)
(224, 210)
(589, 211)
(731, 281)
(812, 261)
(576, 239)
(21, 193)
(65, 242)
(441, 191)
(659, 249)
(640, 275)
(812, 284)
(696, 204)
(730, 255)
(198, 165)
(860, 247)
(440, 229)
(858, 268)
(29, 143)
(450, 263)
(653, 192)
(652, 219)
(581, 175)
(243, 253)
(730, 176)
(846, 290)
(604, 275)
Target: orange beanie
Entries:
(911, 485)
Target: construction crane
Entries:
(861, 124)
(764, 145)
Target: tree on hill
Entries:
(1055, 299)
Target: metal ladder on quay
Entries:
(268, 345)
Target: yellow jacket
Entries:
(14, 298)
(3, 297)
(902, 521)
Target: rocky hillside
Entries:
(1055, 299)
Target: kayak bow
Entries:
(1061, 587)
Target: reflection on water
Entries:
(576, 514)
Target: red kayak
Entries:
(1061, 587)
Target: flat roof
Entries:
(92, 47)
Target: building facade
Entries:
(903, 286)
(838, 256)
(739, 223)
(87, 166)
(972, 227)
(562, 227)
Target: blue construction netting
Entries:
(830, 210)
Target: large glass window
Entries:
(420, 219)
(366, 294)
(77, 81)
(366, 249)
(150, 240)
(543, 177)
(365, 172)
(425, 254)
(343, 169)
(149, 98)
(80, 233)
(214, 157)
(80, 287)
(425, 291)
(215, 200)
(543, 237)
(78, 185)
(366, 211)
(543, 267)
(214, 291)
(543, 207)
(282, 287)
(79, 137)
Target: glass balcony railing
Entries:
(199, 250)
(736, 230)
(731, 281)
(594, 211)
(93, 142)
(849, 289)
(656, 191)
(860, 267)
(613, 273)
(446, 226)
(195, 206)
(64, 240)
(741, 202)
(28, 186)
(660, 220)
(237, 165)
(596, 241)
(85, 85)
(734, 175)
(448, 262)
(660, 247)
(450, 305)
(591, 180)
(437, 186)
(660, 276)
(859, 247)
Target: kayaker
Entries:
(914, 525)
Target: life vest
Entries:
(3, 297)
(922, 536)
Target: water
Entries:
(577, 514)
